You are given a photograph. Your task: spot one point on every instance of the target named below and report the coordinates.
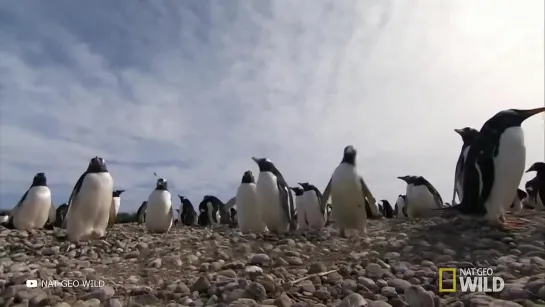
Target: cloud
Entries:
(193, 89)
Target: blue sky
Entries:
(193, 89)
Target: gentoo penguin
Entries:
(349, 194)
(159, 215)
(401, 206)
(495, 165)
(468, 136)
(274, 197)
(422, 197)
(60, 215)
(188, 216)
(4, 217)
(249, 212)
(114, 209)
(539, 183)
(90, 202)
(329, 219)
(387, 209)
(32, 210)
(233, 214)
(520, 198)
(50, 224)
(314, 209)
(300, 207)
(209, 211)
(141, 213)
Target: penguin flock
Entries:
(488, 172)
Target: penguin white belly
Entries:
(159, 211)
(116, 202)
(460, 178)
(210, 212)
(52, 214)
(4, 218)
(248, 211)
(348, 203)
(508, 170)
(419, 200)
(400, 203)
(269, 200)
(89, 212)
(313, 212)
(34, 211)
(538, 202)
(300, 204)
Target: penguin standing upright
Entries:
(141, 212)
(315, 208)
(90, 202)
(249, 212)
(401, 206)
(32, 210)
(60, 215)
(422, 198)
(159, 215)
(188, 216)
(233, 215)
(328, 210)
(50, 224)
(468, 136)
(539, 183)
(114, 209)
(387, 209)
(300, 208)
(349, 194)
(209, 211)
(519, 200)
(494, 166)
(274, 197)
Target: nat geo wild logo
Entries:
(469, 280)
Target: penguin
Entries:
(516, 206)
(300, 208)
(421, 197)
(188, 216)
(329, 220)
(90, 202)
(141, 213)
(159, 215)
(401, 206)
(388, 212)
(494, 167)
(233, 214)
(468, 136)
(209, 211)
(114, 209)
(539, 183)
(349, 195)
(373, 210)
(274, 197)
(4, 217)
(176, 217)
(249, 212)
(32, 210)
(60, 215)
(50, 224)
(314, 210)
(380, 207)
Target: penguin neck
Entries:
(161, 188)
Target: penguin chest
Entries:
(313, 212)
(420, 200)
(269, 197)
(300, 204)
(95, 195)
(248, 214)
(159, 211)
(509, 166)
(211, 213)
(34, 210)
(346, 189)
(116, 202)
(400, 203)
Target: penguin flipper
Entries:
(20, 202)
(75, 191)
(231, 203)
(369, 197)
(327, 192)
(284, 196)
(435, 193)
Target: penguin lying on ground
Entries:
(539, 184)
(249, 215)
(114, 209)
(209, 211)
(90, 202)
(32, 210)
(141, 212)
(349, 194)
(159, 215)
(468, 136)
(422, 198)
(494, 167)
(188, 216)
(274, 197)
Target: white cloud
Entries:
(193, 89)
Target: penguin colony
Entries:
(488, 172)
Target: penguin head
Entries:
(97, 165)
(117, 193)
(161, 184)
(233, 212)
(349, 155)
(408, 179)
(304, 185)
(297, 190)
(264, 164)
(248, 177)
(538, 167)
(468, 134)
(39, 180)
(511, 118)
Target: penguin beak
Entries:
(528, 113)
(459, 131)
(531, 169)
(404, 178)
(256, 160)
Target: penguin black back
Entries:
(539, 181)
(387, 209)
(297, 190)
(419, 180)
(141, 211)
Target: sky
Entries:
(193, 89)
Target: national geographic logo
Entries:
(470, 280)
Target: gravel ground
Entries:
(394, 265)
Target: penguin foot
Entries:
(514, 223)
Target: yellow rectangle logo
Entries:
(447, 270)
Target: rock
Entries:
(283, 301)
(416, 296)
(502, 303)
(400, 285)
(316, 267)
(353, 300)
(201, 285)
(256, 291)
(260, 259)
(374, 271)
